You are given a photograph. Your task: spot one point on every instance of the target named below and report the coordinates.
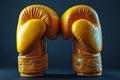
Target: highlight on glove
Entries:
(35, 21)
(82, 22)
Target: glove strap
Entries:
(32, 66)
(87, 65)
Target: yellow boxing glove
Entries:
(34, 22)
(82, 22)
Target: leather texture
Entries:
(82, 22)
(34, 22)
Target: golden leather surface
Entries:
(82, 21)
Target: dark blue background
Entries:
(60, 50)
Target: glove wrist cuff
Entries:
(33, 65)
(87, 65)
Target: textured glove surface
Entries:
(34, 22)
(82, 22)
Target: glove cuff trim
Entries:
(87, 65)
(32, 66)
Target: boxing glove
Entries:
(82, 22)
(34, 23)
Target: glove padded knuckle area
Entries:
(74, 13)
(43, 13)
(82, 22)
(35, 21)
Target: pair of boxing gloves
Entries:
(80, 21)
